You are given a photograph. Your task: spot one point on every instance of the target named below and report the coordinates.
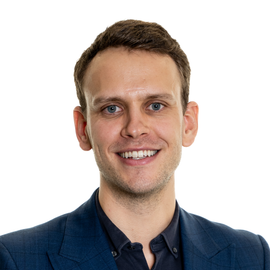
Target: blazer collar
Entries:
(203, 245)
(84, 245)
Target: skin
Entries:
(133, 103)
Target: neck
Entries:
(140, 218)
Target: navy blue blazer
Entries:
(76, 241)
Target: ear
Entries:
(80, 127)
(190, 128)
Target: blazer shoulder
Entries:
(26, 249)
(67, 235)
(248, 245)
(49, 233)
(222, 232)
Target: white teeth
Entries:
(138, 154)
(134, 154)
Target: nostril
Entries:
(135, 131)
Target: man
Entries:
(133, 87)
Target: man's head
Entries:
(135, 35)
(131, 111)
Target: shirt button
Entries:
(114, 253)
(131, 247)
(174, 250)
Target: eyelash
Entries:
(154, 103)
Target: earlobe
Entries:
(190, 123)
(80, 128)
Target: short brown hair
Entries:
(135, 35)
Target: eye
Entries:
(112, 109)
(156, 106)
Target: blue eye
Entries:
(112, 109)
(156, 106)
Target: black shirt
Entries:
(166, 246)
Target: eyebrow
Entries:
(101, 100)
(161, 96)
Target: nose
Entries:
(135, 125)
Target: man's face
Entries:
(134, 118)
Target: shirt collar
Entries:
(117, 239)
(172, 233)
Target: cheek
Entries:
(104, 133)
(170, 130)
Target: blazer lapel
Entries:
(84, 245)
(203, 247)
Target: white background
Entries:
(224, 176)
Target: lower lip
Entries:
(137, 162)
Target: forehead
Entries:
(118, 71)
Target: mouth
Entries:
(141, 154)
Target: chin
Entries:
(140, 188)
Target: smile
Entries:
(138, 154)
